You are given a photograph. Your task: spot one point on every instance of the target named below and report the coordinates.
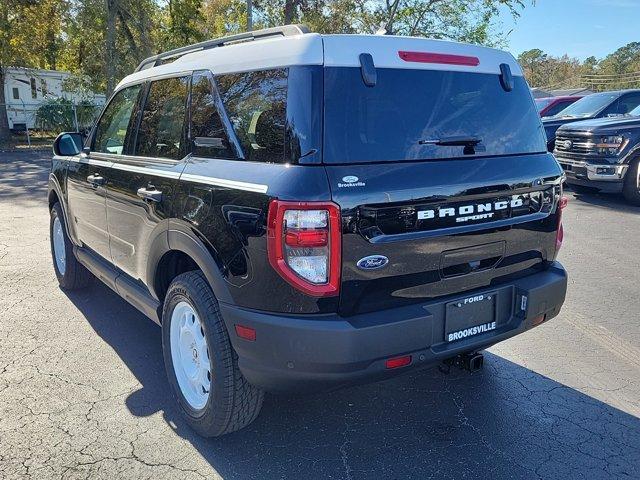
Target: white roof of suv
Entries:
(331, 50)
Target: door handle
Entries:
(150, 193)
(95, 180)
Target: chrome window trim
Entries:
(149, 170)
(136, 159)
(223, 182)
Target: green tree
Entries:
(30, 36)
(184, 22)
(463, 20)
(620, 69)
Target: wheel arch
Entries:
(179, 251)
(56, 195)
(633, 155)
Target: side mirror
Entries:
(68, 144)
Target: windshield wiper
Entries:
(453, 142)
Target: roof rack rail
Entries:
(284, 31)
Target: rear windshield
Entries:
(388, 122)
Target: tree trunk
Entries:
(111, 46)
(249, 15)
(391, 11)
(289, 11)
(4, 120)
(145, 40)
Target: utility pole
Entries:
(249, 15)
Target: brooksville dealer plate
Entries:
(470, 316)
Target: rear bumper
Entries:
(320, 352)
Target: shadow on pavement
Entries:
(503, 422)
(23, 176)
(614, 201)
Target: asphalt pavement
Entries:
(83, 392)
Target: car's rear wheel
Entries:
(71, 274)
(201, 364)
(631, 187)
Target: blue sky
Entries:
(580, 28)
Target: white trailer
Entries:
(26, 88)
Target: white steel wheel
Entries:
(190, 355)
(59, 251)
(202, 366)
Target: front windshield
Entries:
(588, 106)
(541, 103)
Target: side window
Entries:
(613, 109)
(557, 108)
(255, 103)
(207, 130)
(34, 91)
(628, 103)
(162, 127)
(115, 124)
(16, 93)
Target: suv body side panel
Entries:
(87, 210)
(226, 204)
(134, 221)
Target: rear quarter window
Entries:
(255, 103)
(207, 128)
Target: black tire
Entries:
(75, 275)
(631, 187)
(233, 403)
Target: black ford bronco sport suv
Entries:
(304, 212)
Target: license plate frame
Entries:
(469, 317)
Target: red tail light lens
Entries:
(303, 243)
(560, 232)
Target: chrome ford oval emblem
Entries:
(350, 179)
(372, 262)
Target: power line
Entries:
(597, 81)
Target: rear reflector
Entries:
(247, 333)
(398, 362)
(564, 201)
(537, 320)
(443, 58)
(560, 232)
